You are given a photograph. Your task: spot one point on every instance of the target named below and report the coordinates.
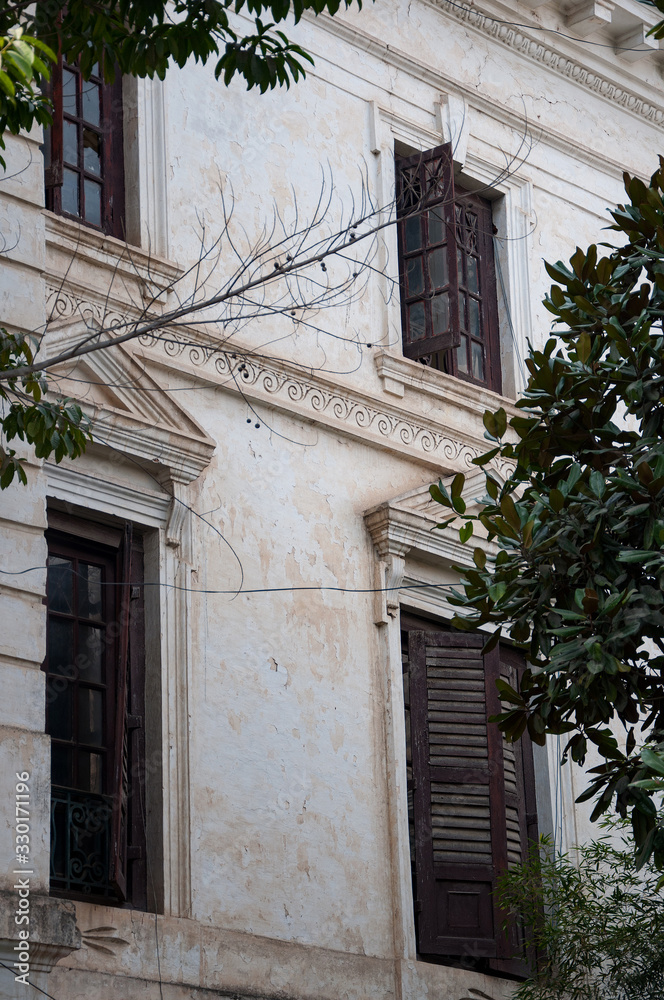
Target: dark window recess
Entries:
(83, 150)
(471, 798)
(446, 271)
(95, 708)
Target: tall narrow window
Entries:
(95, 715)
(447, 279)
(473, 800)
(83, 150)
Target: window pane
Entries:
(90, 717)
(413, 233)
(414, 276)
(460, 259)
(462, 356)
(478, 360)
(91, 94)
(70, 142)
(436, 226)
(436, 181)
(93, 202)
(69, 92)
(59, 709)
(61, 770)
(90, 591)
(438, 268)
(89, 659)
(471, 234)
(463, 313)
(70, 193)
(474, 313)
(89, 771)
(60, 585)
(440, 314)
(91, 151)
(416, 321)
(473, 283)
(60, 647)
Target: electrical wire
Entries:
(34, 985)
(255, 590)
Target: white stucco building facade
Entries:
(275, 478)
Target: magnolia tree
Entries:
(578, 579)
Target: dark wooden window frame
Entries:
(435, 225)
(109, 132)
(115, 813)
(434, 884)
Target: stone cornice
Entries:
(539, 51)
(518, 39)
(123, 261)
(311, 396)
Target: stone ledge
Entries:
(53, 930)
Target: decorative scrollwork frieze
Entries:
(533, 48)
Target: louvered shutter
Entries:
(469, 813)
(428, 272)
(119, 791)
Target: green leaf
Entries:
(466, 531)
(440, 495)
(457, 485)
(557, 500)
(479, 558)
(653, 760)
(497, 590)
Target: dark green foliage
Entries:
(143, 37)
(658, 30)
(56, 429)
(23, 61)
(578, 582)
(597, 924)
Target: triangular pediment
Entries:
(407, 523)
(132, 413)
(420, 502)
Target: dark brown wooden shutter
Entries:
(53, 143)
(470, 819)
(119, 790)
(515, 955)
(425, 208)
(137, 874)
(113, 207)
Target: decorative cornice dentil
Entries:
(519, 40)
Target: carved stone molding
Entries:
(64, 308)
(103, 939)
(313, 397)
(519, 40)
(406, 525)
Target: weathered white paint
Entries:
(283, 854)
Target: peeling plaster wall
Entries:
(281, 872)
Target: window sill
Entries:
(68, 238)
(398, 374)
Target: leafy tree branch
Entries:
(578, 581)
(595, 923)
